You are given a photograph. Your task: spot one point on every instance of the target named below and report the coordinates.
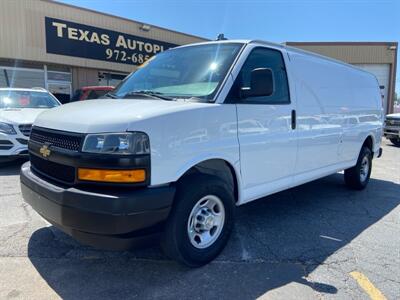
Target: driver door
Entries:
(266, 125)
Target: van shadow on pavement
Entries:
(11, 167)
(277, 240)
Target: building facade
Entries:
(62, 47)
(378, 58)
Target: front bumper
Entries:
(13, 146)
(115, 219)
(391, 132)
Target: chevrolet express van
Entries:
(195, 132)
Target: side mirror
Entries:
(261, 84)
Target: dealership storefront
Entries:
(61, 47)
(59, 82)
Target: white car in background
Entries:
(18, 109)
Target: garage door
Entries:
(382, 72)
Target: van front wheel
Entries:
(395, 142)
(358, 176)
(201, 220)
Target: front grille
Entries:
(22, 141)
(392, 122)
(6, 145)
(53, 170)
(60, 139)
(25, 129)
(391, 131)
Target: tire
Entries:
(358, 176)
(185, 245)
(395, 142)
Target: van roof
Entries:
(281, 46)
(238, 41)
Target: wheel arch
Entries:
(369, 141)
(218, 167)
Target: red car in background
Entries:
(91, 92)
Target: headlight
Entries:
(117, 143)
(7, 128)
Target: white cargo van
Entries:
(195, 132)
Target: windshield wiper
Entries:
(147, 93)
(110, 95)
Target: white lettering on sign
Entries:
(72, 33)
(121, 42)
(148, 47)
(60, 27)
(81, 35)
(84, 35)
(120, 47)
(157, 48)
(95, 38)
(141, 46)
(105, 39)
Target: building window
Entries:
(59, 84)
(59, 76)
(110, 79)
(21, 78)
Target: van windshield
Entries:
(192, 71)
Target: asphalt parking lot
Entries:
(299, 244)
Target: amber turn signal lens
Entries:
(123, 176)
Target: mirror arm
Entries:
(244, 92)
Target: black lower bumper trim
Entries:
(10, 158)
(120, 242)
(87, 215)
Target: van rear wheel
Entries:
(358, 176)
(201, 220)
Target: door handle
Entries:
(293, 119)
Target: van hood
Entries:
(20, 115)
(114, 115)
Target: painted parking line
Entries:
(367, 286)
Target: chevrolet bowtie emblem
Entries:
(45, 151)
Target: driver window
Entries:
(262, 58)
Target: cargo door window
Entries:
(261, 59)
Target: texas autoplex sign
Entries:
(79, 40)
